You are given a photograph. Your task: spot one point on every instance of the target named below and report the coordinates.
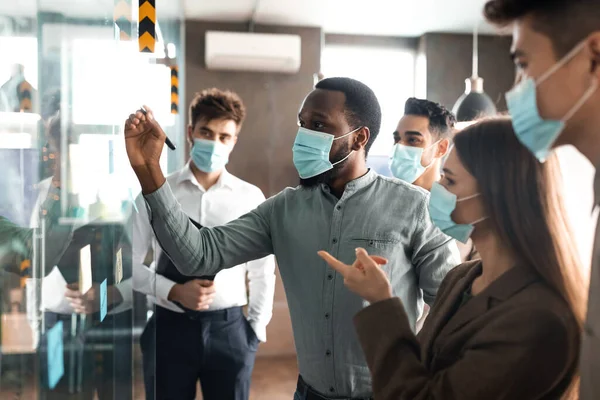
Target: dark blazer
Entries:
(590, 347)
(515, 340)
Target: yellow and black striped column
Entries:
(147, 26)
(25, 272)
(174, 90)
(122, 17)
(25, 92)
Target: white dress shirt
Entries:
(43, 187)
(227, 200)
(52, 286)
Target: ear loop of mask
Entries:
(349, 133)
(586, 96)
(469, 198)
(588, 93)
(351, 151)
(434, 158)
(478, 221)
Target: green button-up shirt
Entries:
(385, 216)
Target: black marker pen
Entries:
(167, 140)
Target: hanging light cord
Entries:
(475, 52)
(252, 21)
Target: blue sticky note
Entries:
(103, 301)
(56, 363)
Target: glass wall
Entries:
(70, 74)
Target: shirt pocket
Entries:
(383, 244)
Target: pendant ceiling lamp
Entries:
(474, 103)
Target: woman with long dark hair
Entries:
(505, 327)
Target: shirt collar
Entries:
(503, 287)
(361, 182)
(225, 180)
(356, 184)
(511, 282)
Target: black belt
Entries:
(227, 314)
(311, 394)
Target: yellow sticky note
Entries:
(119, 267)
(85, 269)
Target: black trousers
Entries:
(216, 347)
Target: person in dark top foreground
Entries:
(505, 327)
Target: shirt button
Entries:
(328, 353)
(339, 207)
(327, 316)
(334, 241)
(330, 276)
(331, 389)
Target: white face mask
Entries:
(405, 162)
(442, 204)
(311, 152)
(534, 132)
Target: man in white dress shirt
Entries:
(198, 331)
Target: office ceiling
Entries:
(99, 9)
(370, 17)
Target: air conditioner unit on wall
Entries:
(246, 51)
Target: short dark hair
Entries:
(214, 103)
(361, 106)
(550, 17)
(441, 120)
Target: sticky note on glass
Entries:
(56, 364)
(85, 269)
(119, 267)
(103, 300)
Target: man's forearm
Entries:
(261, 277)
(179, 239)
(206, 251)
(260, 305)
(151, 177)
(148, 282)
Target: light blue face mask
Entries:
(405, 162)
(535, 133)
(441, 205)
(209, 155)
(311, 152)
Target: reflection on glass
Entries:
(18, 73)
(68, 328)
(93, 57)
